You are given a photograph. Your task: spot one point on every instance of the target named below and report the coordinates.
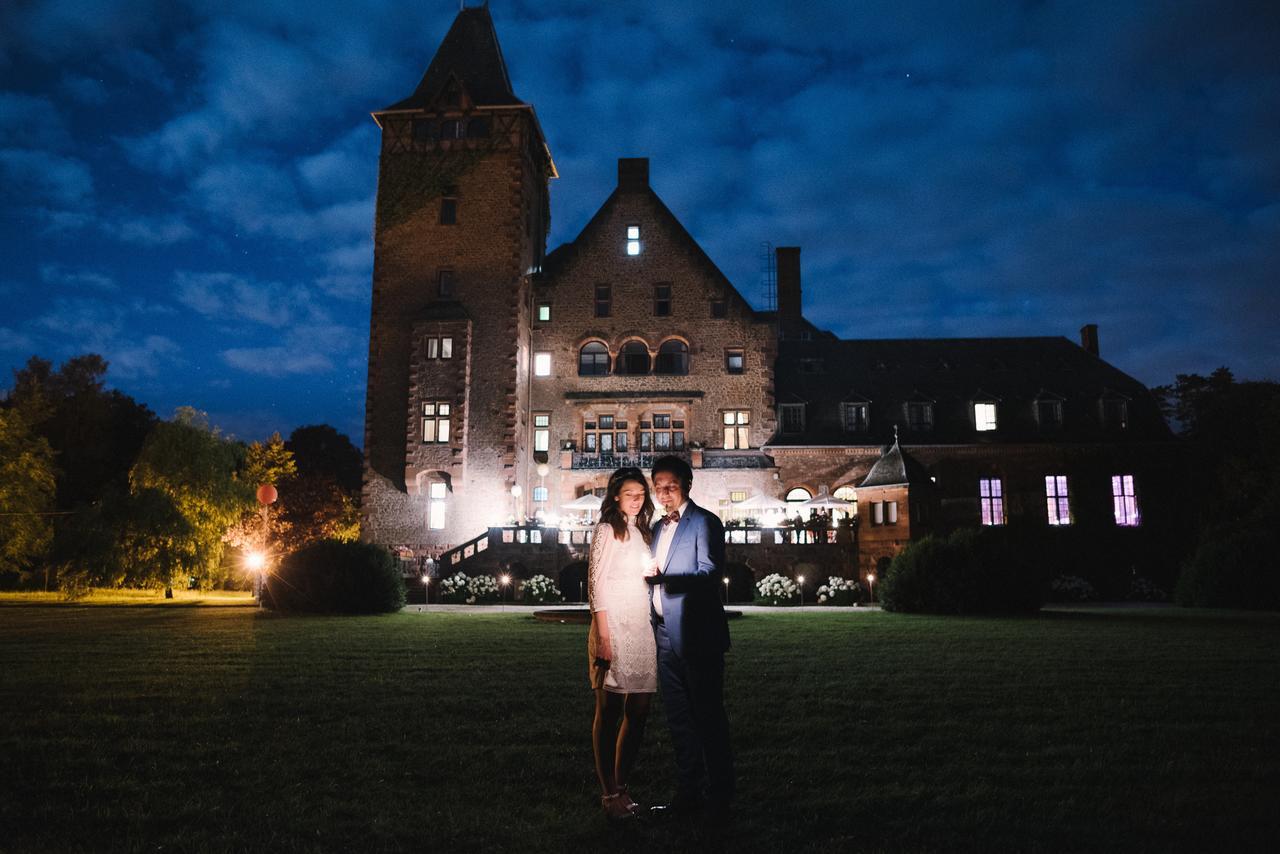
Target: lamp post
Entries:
(515, 501)
(800, 584)
(426, 592)
(726, 590)
(871, 586)
(502, 595)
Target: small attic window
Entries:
(633, 240)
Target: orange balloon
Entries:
(267, 494)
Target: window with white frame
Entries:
(884, 513)
(991, 497)
(984, 417)
(440, 347)
(661, 432)
(854, 417)
(847, 493)
(542, 364)
(737, 429)
(436, 496)
(1057, 500)
(734, 360)
(736, 495)
(633, 240)
(435, 422)
(1123, 501)
(605, 434)
(541, 432)
(540, 495)
(544, 312)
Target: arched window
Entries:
(593, 360)
(633, 358)
(797, 494)
(673, 358)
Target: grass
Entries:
(229, 729)
(104, 596)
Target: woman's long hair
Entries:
(611, 513)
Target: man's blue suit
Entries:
(692, 636)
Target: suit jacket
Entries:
(690, 584)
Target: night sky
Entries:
(187, 187)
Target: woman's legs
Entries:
(609, 709)
(631, 735)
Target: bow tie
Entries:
(673, 516)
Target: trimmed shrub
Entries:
(777, 589)
(540, 590)
(1071, 588)
(1235, 567)
(968, 572)
(332, 577)
(839, 591)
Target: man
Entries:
(692, 636)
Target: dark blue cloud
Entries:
(971, 168)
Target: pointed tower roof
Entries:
(894, 468)
(471, 54)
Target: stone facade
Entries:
(628, 342)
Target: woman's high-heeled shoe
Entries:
(626, 798)
(615, 807)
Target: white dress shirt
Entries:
(664, 548)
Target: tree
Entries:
(188, 462)
(269, 462)
(27, 491)
(320, 450)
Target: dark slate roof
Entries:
(895, 468)
(953, 373)
(471, 53)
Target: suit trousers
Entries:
(693, 695)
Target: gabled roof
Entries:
(470, 53)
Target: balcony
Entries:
(609, 462)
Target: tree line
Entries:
(97, 491)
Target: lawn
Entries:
(223, 728)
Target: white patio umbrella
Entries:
(760, 501)
(826, 502)
(590, 503)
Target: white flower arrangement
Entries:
(482, 590)
(839, 591)
(777, 589)
(455, 588)
(541, 590)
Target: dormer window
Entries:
(792, 417)
(1049, 413)
(1115, 412)
(984, 416)
(633, 240)
(920, 416)
(854, 417)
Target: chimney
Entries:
(1089, 338)
(633, 174)
(788, 267)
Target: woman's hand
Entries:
(651, 568)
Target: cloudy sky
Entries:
(186, 186)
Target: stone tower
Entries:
(461, 225)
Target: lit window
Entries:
(792, 417)
(633, 358)
(436, 493)
(1123, 500)
(593, 360)
(540, 494)
(439, 348)
(544, 312)
(435, 422)
(798, 495)
(446, 348)
(604, 300)
(984, 416)
(542, 364)
(737, 495)
(541, 432)
(991, 496)
(736, 430)
(661, 300)
(884, 513)
(853, 417)
(605, 435)
(663, 433)
(673, 358)
(847, 493)
(920, 416)
(1057, 501)
(633, 240)
(433, 348)
(734, 360)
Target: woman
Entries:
(623, 661)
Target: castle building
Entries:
(505, 382)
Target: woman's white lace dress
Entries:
(617, 592)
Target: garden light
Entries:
(255, 561)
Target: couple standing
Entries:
(656, 620)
